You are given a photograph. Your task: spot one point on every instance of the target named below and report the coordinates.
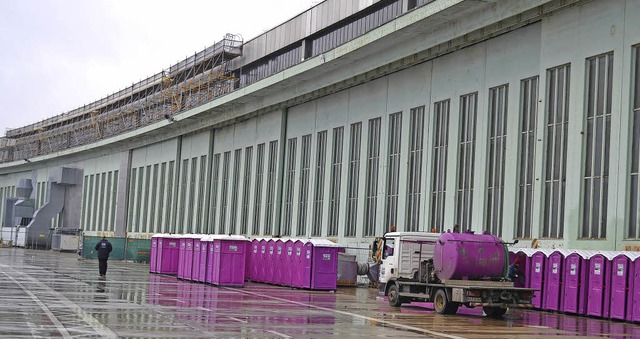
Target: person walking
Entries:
(104, 248)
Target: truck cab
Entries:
(402, 254)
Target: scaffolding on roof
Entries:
(192, 82)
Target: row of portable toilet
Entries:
(595, 283)
(300, 263)
(214, 259)
(229, 260)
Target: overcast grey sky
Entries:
(57, 55)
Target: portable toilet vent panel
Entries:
(168, 254)
(599, 284)
(324, 264)
(634, 294)
(552, 288)
(576, 282)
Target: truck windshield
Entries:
(389, 244)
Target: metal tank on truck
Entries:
(450, 270)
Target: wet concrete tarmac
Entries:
(46, 294)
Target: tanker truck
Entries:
(449, 269)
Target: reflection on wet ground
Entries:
(51, 294)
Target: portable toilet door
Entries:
(263, 261)
(215, 276)
(188, 259)
(195, 268)
(553, 280)
(634, 304)
(232, 260)
(247, 262)
(182, 256)
(204, 252)
(306, 264)
(288, 263)
(575, 282)
(269, 261)
(255, 259)
(278, 262)
(153, 256)
(169, 255)
(524, 257)
(599, 289)
(298, 255)
(324, 266)
(620, 282)
(210, 262)
(536, 273)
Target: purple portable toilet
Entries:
(599, 284)
(187, 273)
(181, 256)
(524, 257)
(195, 267)
(324, 264)
(575, 281)
(210, 259)
(298, 275)
(305, 265)
(255, 259)
(229, 260)
(288, 262)
(262, 260)
(153, 256)
(278, 259)
(622, 275)
(269, 262)
(536, 273)
(168, 254)
(204, 252)
(633, 305)
(552, 288)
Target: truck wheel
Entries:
(442, 305)
(394, 298)
(494, 312)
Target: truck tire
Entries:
(394, 298)
(494, 312)
(442, 305)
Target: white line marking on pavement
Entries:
(239, 320)
(44, 307)
(280, 334)
(355, 315)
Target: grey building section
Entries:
(503, 116)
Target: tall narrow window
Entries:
(633, 228)
(557, 112)
(161, 194)
(305, 164)
(336, 174)
(246, 189)
(466, 160)
(321, 160)
(373, 163)
(139, 196)
(183, 195)
(528, 113)
(498, 103)
(214, 193)
(200, 202)
(414, 169)
(257, 196)
(393, 170)
(271, 187)
(85, 202)
(596, 168)
(235, 186)
(291, 174)
(439, 174)
(153, 202)
(354, 178)
(168, 210)
(191, 199)
(224, 190)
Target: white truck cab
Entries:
(402, 254)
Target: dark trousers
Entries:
(102, 266)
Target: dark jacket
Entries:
(104, 248)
